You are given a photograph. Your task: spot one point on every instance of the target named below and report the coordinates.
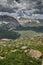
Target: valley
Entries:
(21, 32)
(17, 42)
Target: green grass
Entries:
(27, 33)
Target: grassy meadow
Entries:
(11, 52)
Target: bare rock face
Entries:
(35, 53)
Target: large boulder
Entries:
(35, 53)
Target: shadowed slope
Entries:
(7, 24)
(8, 21)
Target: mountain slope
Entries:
(9, 22)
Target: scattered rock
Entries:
(38, 21)
(5, 39)
(35, 53)
(14, 50)
(25, 51)
(2, 57)
(24, 47)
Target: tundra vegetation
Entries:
(25, 50)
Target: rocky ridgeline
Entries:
(23, 20)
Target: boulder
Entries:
(24, 47)
(35, 53)
(14, 50)
(25, 51)
(2, 57)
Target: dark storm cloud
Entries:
(17, 1)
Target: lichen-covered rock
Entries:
(25, 51)
(14, 50)
(35, 53)
(2, 57)
(24, 47)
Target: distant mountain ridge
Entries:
(8, 22)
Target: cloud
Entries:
(21, 3)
